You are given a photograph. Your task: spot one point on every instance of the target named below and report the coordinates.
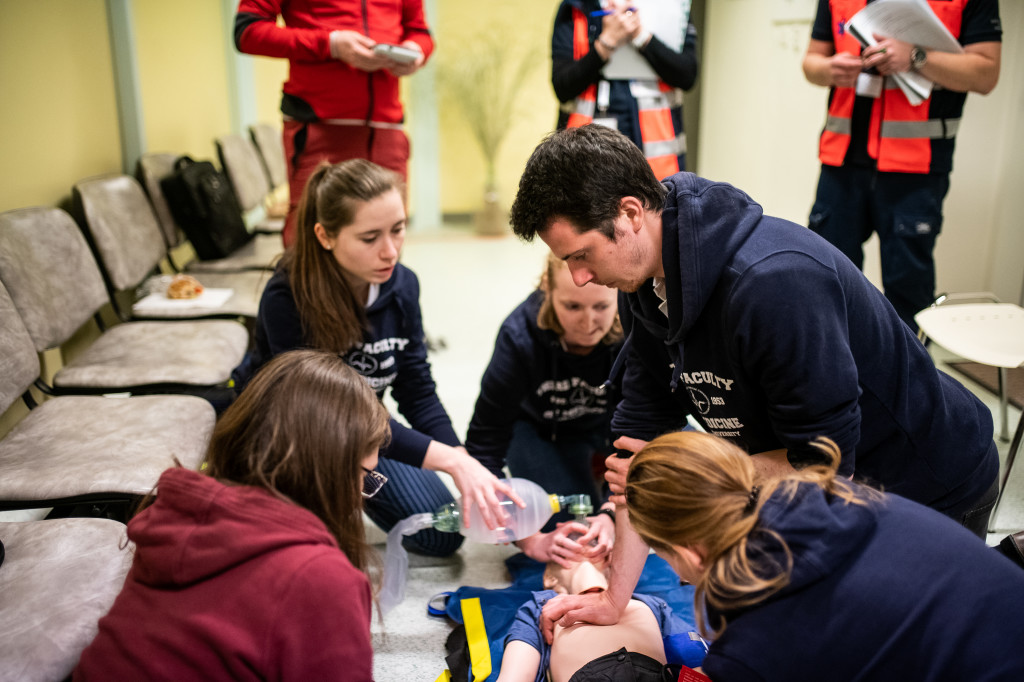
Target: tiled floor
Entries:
(469, 284)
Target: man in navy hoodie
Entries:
(755, 326)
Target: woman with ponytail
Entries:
(810, 577)
(341, 288)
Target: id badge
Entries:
(869, 85)
(607, 122)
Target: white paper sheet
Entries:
(159, 303)
(666, 19)
(910, 21)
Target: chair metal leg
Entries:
(1010, 456)
(1004, 429)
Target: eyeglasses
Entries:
(372, 482)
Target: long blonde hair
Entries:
(332, 317)
(546, 316)
(692, 489)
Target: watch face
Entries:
(918, 57)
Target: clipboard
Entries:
(666, 19)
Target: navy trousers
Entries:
(409, 491)
(904, 209)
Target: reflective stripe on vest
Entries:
(661, 145)
(932, 129)
(586, 102)
(899, 134)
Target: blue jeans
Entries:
(409, 491)
(905, 209)
(561, 467)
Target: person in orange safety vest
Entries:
(885, 159)
(647, 110)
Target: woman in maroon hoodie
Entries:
(255, 568)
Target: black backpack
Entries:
(203, 204)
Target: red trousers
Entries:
(335, 143)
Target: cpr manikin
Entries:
(639, 631)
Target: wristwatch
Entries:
(918, 58)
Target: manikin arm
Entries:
(519, 663)
(603, 608)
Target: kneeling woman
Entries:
(540, 408)
(254, 568)
(810, 577)
(341, 288)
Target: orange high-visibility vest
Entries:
(660, 145)
(900, 135)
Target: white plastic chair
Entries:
(989, 333)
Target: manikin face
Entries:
(586, 313)
(369, 248)
(583, 578)
(621, 264)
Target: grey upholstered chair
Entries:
(88, 450)
(151, 168)
(56, 286)
(58, 578)
(271, 149)
(260, 253)
(126, 237)
(241, 162)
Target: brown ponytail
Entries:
(692, 489)
(332, 316)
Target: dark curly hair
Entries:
(580, 175)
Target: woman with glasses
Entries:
(341, 288)
(813, 577)
(255, 567)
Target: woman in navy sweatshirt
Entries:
(341, 288)
(811, 577)
(541, 409)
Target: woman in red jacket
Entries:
(341, 98)
(254, 568)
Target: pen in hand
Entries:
(606, 12)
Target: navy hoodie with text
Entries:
(773, 338)
(393, 354)
(886, 591)
(532, 378)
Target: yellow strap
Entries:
(445, 676)
(476, 636)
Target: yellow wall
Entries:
(527, 24)
(183, 75)
(269, 74)
(58, 120)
